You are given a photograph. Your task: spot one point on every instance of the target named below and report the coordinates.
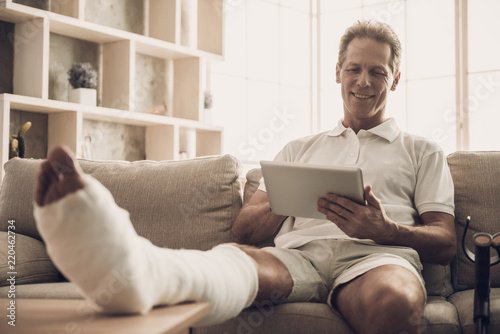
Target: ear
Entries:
(395, 81)
(337, 73)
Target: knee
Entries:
(398, 300)
(275, 281)
(401, 307)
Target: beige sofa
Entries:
(192, 204)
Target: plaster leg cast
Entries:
(93, 243)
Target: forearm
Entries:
(255, 223)
(435, 242)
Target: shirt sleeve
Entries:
(434, 189)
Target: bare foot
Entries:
(58, 176)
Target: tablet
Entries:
(294, 188)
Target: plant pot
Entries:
(86, 96)
(207, 116)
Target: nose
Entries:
(363, 79)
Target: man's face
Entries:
(366, 79)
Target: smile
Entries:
(362, 96)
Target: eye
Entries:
(380, 73)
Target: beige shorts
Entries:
(320, 266)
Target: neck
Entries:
(362, 124)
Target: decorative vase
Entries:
(207, 116)
(86, 96)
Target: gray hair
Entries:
(378, 31)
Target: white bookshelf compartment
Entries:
(185, 75)
(65, 121)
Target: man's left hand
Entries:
(358, 221)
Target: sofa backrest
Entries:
(476, 176)
(193, 203)
(176, 204)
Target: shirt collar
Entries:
(388, 130)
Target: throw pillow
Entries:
(31, 263)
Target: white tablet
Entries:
(294, 188)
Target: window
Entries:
(262, 92)
(278, 80)
(426, 91)
(483, 98)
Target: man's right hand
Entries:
(256, 222)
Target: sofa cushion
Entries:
(252, 183)
(253, 177)
(476, 176)
(440, 316)
(437, 279)
(464, 303)
(176, 204)
(31, 263)
(55, 290)
(290, 318)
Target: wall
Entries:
(121, 14)
(6, 56)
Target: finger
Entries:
(332, 216)
(322, 210)
(344, 202)
(331, 207)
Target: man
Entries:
(364, 261)
(380, 290)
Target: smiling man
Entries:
(363, 260)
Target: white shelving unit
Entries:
(119, 49)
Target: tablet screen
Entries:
(294, 188)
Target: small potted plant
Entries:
(83, 79)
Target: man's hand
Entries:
(358, 221)
(256, 222)
(434, 239)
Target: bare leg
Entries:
(275, 282)
(387, 299)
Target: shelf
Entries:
(46, 106)
(119, 55)
(92, 32)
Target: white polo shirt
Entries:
(408, 173)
